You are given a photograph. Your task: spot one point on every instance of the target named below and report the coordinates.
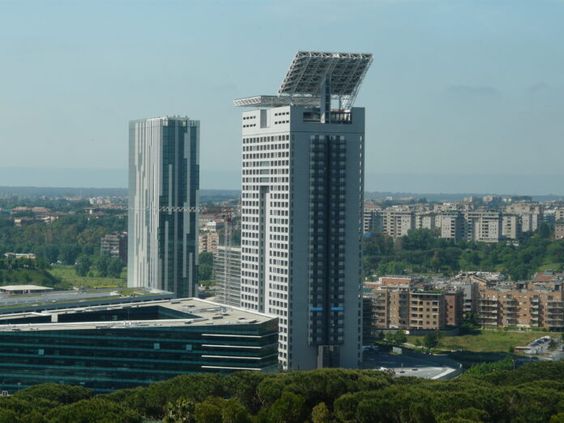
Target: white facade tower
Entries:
(301, 210)
(163, 204)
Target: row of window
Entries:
(265, 172)
(251, 188)
(266, 180)
(267, 163)
(270, 138)
(247, 157)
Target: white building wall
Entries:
(275, 219)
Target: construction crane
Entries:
(170, 209)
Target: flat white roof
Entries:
(11, 288)
(201, 313)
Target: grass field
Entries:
(69, 277)
(486, 341)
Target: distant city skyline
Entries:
(508, 184)
(458, 88)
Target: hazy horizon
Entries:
(230, 180)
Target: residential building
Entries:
(531, 214)
(559, 230)
(427, 310)
(398, 221)
(208, 242)
(115, 245)
(302, 209)
(131, 344)
(396, 305)
(452, 226)
(394, 281)
(227, 274)
(372, 219)
(483, 226)
(470, 293)
(425, 220)
(163, 204)
(454, 308)
(529, 306)
(208, 239)
(511, 226)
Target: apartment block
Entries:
(559, 215)
(208, 241)
(372, 220)
(559, 230)
(532, 306)
(452, 226)
(483, 226)
(531, 215)
(454, 308)
(425, 220)
(427, 310)
(409, 308)
(511, 226)
(397, 222)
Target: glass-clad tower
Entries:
(301, 210)
(163, 200)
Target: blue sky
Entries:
(457, 87)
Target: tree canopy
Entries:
(487, 393)
(423, 251)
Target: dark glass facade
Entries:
(327, 210)
(177, 225)
(163, 204)
(126, 354)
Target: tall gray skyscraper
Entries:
(163, 201)
(302, 214)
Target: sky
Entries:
(462, 96)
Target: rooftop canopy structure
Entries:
(317, 78)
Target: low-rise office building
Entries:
(125, 345)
